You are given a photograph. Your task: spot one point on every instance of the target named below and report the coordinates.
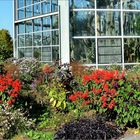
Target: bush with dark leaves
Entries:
(87, 129)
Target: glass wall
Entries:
(38, 37)
(104, 32)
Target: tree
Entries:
(6, 45)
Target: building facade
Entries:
(94, 32)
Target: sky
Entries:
(6, 15)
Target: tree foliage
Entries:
(6, 45)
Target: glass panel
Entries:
(46, 7)
(20, 53)
(46, 54)
(29, 11)
(21, 41)
(37, 39)
(83, 23)
(28, 2)
(82, 3)
(28, 40)
(37, 25)
(46, 23)
(55, 22)
(21, 13)
(21, 28)
(108, 4)
(109, 51)
(108, 23)
(55, 54)
(131, 23)
(35, 1)
(131, 4)
(55, 38)
(46, 38)
(28, 52)
(20, 3)
(131, 50)
(37, 9)
(37, 53)
(54, 5)
(29, 27)
(83, 50)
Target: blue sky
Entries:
(6, 15)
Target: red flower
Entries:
(103, 98)
(112, 104)
(104, 104)
(106, 87)
(73, 98)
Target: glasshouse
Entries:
(93, 32)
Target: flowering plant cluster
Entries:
(99, 89)
(9, 90)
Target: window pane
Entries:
(29, 27)
(35, 1)
(37, 39)
(37, 53)
(54, 5)
(20, 3)
(108, 23)
(108, 4)
(21, 28)
(55, 54)
(28, 39)
(82, 3)
(28, 2)
(46, 23)
(55, 38)
(37, 25)
(29, 11)
(83, 50)
(55, 22)
(131, 23)
(21, 14)
(131, 4)
(46, 38)
(28, 52)
(131, 50)
(37, 9)
(46, 54)
(21, 42)
(83, 23)
(109, 51)
(46, 7)
(20, 53)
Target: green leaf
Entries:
(54, 103)
(58, 104)
(52, 99)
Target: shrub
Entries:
(87, 129)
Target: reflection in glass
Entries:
(108, 23)
(21, 41)
(83, 23)
(55, 54)
(46, 23)
(131, 50)
(35, 1)
(37, 39)
(37, 24)
(28, 11)
(131, 4)
(46, 54)
(131, 23)
(28, 2)
(20, 52)
(108, 4)
(20, 3)
(37, 53)
(21, 13)
(109, 51)
(82, 3)
(54, 5)
(46, 39)
(83, 50)
(29, 27)
(28, 40)
(37, 9)
(55, 38)
(21, 28)
(46, 7)
(28, 52)
(55, 22)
